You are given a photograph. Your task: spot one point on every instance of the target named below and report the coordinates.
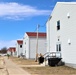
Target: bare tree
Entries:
(4, 50)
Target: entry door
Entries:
(58, 47)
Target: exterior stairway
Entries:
(52, 58)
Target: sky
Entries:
(20, 16)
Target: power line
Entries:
(35, 29)
(44, 25)
(45, 22)
(39, 27)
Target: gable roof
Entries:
(34, 34)
(12, 49)
(20, 41)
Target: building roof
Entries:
(12, 49)
(20, 41)
(34, 34)
(66, 2)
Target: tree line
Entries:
(3, 50)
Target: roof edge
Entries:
(66, 3)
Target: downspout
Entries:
(49, 36)
(29, 47)
(49, 31)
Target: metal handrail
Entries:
(52, 54)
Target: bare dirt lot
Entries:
(3, 70)
(50, 70)
(47, 70)
(21, 61)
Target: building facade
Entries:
(11, 51)
(19, 47)
(30, 44)
(61, 32)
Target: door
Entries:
(58, 50)
(58, 47)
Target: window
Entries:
(58, 25)
(20, 46)
(58, 47)
(58, 39)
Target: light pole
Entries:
(37, 43)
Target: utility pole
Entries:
(37, 43)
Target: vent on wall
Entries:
(68, 15)
(50, 17)
(69, 41)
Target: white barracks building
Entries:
(61, 32)
(30, 44)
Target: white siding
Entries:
(8, 52)
(13, 53)
(26, 46)
(67, 31)
(48, 37)
(30, 46)
(41, 46)
(18, 49)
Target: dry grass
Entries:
(21, 61)
(60, 70)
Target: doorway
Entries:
(58, 47)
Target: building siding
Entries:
(67, 31)
(30, 46)
(41, 46)
(26, 46)
(19, 50)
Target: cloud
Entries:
(7, 44)
(18, 11)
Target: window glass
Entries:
(20, 46)
(59, 47)
(58, 25)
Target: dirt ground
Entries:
(61, 70)
(3, 70)
(21, 61)
(47, 70)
